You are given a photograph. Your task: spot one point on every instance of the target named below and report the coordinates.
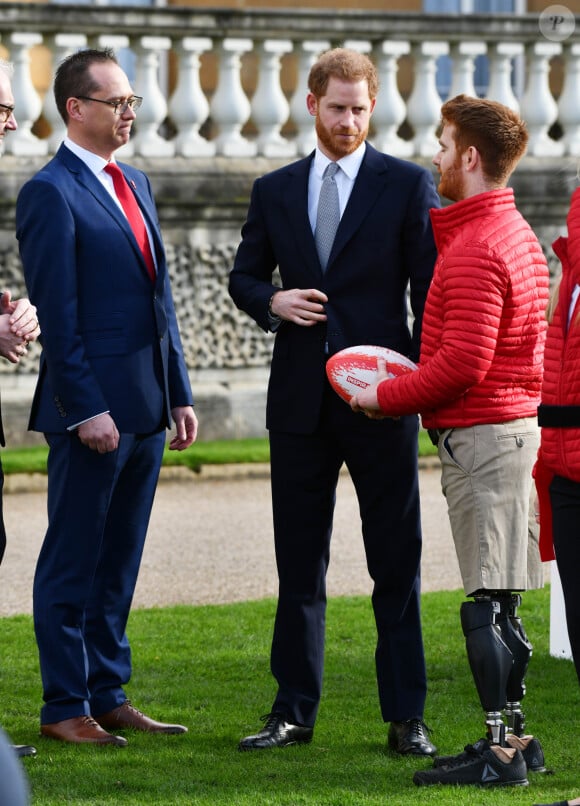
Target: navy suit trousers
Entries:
(98, 513)
(382, 459)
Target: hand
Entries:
(22, 317)
(367, 401)
(186, 428)
(302, 306)
(11, 347)
(99, 434)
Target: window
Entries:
(444, 63)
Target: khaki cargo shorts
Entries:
(487, 480)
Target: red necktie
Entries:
(133, 213)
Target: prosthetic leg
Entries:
(490, 660)
(515, 638)
(499, 652)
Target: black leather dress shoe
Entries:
(277, 733)
(23, 750)
(411, 738)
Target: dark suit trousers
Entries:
(382, 459)
(2, 527)
(98, 512)
(565, 497)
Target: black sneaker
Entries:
(491, 767)
(468, 752)
(531, 751)
(530, 747)
(556, 803)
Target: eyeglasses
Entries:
(5, 112)
(119, 107)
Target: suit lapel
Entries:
(143, 200)
(368, 185)
(296, 201)
(89, 181)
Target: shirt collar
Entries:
(349, 164)
(91, 160)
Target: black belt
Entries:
(558, 416)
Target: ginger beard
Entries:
(339, 141)
(449, 163)
(451, 181)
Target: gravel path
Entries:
(210, 541)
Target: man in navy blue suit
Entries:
(112, 377)
(356, 294)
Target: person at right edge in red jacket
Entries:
(477, 389)
(557, 470)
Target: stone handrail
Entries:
(182, 117)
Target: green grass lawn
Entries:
(236, 451)
(208, 668)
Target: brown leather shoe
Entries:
(79, 730)
(127, 716)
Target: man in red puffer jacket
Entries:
(477, 388)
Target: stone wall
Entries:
(202, 206)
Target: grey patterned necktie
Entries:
(328, 215)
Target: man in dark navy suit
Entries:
(351, 290)
(112, 377)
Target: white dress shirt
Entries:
(345, 178)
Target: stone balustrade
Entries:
(224, 101)
(517, 55)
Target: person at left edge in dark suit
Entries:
(18, 327)
(356, 294)
(18, 322)
(112, 376)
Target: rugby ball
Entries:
(355, 368)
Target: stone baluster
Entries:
(463, 55)
(23, 142)
(501, 55)
(424, 104)
(390, 110)
(229, 106)
(147, 141)
(538, 107)
(60, 46)
(270, 109)
(568, 105)
(306, 136)
(116, 42)
(189, 107)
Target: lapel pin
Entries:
(133, 185)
